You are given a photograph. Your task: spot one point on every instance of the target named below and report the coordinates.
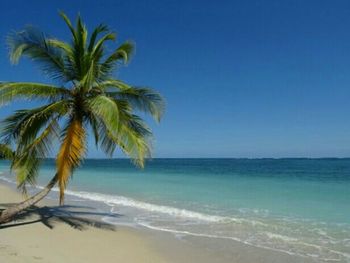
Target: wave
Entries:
(6, 179)
(335, 253)
(130, 202)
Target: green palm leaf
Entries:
(134, 138)
(121, 55)
(142, 99)
(34, 45)
(123, 128)
(23, 126)
(27, 161)
(27, 90)
(106, 109)
(6, 152)
(98, 30)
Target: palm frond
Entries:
(98, 30)
(24, 125)
(67, 48)
(26, 168)
(121, 55)
(108, 84)
(89, 77)
(12, 125)
(134, 137)
(94, 126)
(27, 159)
(81, 32)
(32, 43)
(102, 136)
(33, 125)
(42, 144)
(99, 44)
(142, 99)
(131, 134)
(106, 109)
(6, 152)
(70, 154)
(68, 23)
(27, 90)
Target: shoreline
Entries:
(78, 238)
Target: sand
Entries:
(37, 242)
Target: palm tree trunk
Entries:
(9, 213)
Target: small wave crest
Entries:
(6, 179)
(129, 202)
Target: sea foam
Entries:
(129, 202)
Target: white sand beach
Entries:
(36, 242)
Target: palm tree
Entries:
(87, 100)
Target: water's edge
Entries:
(112, 202)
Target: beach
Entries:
(36, 242)
(122, 224)
(86, 240)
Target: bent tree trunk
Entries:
(9, 213)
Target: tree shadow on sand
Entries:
(77, 217)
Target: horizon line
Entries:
(237, 158)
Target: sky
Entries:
(241, 78)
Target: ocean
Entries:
(297, 206)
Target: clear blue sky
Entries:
(241, 78)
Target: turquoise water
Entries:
(298, 206)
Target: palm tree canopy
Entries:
(88, 98)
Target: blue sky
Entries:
(241, 78)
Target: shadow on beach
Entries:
(77, 217)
